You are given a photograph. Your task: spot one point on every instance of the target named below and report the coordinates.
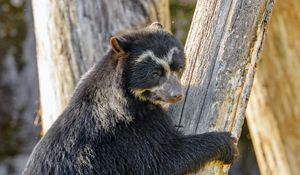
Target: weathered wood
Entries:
(72, 35)
(222, 50)
(273, 112)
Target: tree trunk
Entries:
(274, 107)
(72, 35)
(222, 50)
(18, 86)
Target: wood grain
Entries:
(274, 107)
(222, 50)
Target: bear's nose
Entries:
(175, 98)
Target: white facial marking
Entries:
(164, 62)
(157, 60)
(170, 54)
(146, 54)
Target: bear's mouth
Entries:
(158, 98)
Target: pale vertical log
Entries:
(72, 34)
(274, 106)
(222, 50)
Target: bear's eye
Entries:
(156, 74)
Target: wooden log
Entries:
(222, 50)
(72, 35)
(273, 113)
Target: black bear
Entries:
(115, 124)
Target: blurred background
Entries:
(18, 85)
(273, 111)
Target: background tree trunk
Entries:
(222, 49)
(72, 35)
(18, 86)
(273, 113)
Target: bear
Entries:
(115, 122)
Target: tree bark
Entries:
(72, 35)
(274, 107)
(222, 50)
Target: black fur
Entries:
(106, 130)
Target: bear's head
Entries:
(153, 64)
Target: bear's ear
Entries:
(117, 45)
(156, 26)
